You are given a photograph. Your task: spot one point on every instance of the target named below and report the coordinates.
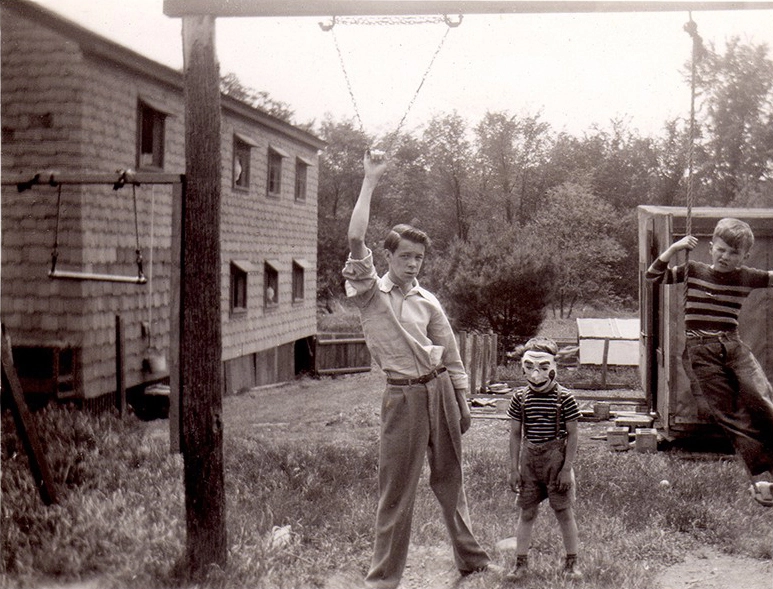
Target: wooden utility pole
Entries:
(200, 351)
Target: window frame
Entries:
(274, 171)
(299, 280)
(242, 146)
(151, 128)
(302, 166)
(239, 286)
(271, 281)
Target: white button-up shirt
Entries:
(408, 334)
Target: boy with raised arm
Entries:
(728, 375)
(424, 409)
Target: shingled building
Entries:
(76, 105)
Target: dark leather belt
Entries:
(405, 382)
(691, 339)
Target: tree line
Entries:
(526, 219)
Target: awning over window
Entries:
(155, 105)
(278, 151)
(244, 265)
(302, 262)
(302, 159)
(245, 139)
(274, 264)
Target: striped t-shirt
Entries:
(714, 298)
(537, 412)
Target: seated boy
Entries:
(543, 446)
(726, 372)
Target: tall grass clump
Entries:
(119, 513)
(322, 495)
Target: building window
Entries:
(275, 157)
(150, 140)
(239, 273)
(299, 276)
(241, 169)
(271, 283)
(301, 173)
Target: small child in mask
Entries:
(543, 446)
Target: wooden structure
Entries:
(229, 8)
(118, 110)
(479, 355)
(681, 413)
(341, 353)
(206, 534)
(25, 426)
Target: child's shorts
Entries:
(540, 465)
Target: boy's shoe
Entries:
(572, 571)
(490, 568)
(519, 572)
(762, 492)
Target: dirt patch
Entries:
(709, 569)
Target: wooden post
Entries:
(604, 359)
(474, 361)
(200, 358)
(462, 338)
(175, 320)
(120, 368)
(485, 360)
(26, 428)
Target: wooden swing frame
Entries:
(55, 180)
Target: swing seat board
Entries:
(68, 275)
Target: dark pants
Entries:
(738, 394)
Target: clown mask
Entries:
(539, 369)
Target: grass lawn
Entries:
(303, 456)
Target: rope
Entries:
(697, 51)
(330, 27)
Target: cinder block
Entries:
(633, 420)
(646, 440)
(617, 438)
(601, 410)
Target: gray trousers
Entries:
(419, 421)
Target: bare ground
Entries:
(328, 408)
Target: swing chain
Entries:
(389, 21)
(124, 177)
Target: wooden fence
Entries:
(345, 353)
(479, 354)
(340, 353)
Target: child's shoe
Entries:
(571, 571)
(519, 571)
(762, 492)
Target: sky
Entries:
(575, 70)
